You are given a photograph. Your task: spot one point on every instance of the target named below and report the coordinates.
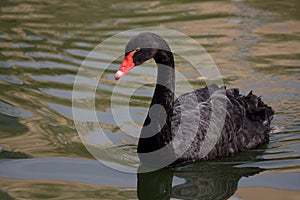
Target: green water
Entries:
(255, 45)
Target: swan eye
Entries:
(137, 49)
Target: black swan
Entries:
(246, 122)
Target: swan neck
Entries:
(165, 83)
(157, 126)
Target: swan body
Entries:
(183, 125)
(246, 125)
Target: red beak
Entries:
(126, 65)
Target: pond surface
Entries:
(255, 45)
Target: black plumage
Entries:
(188, 127)
(246, 125)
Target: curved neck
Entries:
(157, 126)
(165, 83)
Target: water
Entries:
(255, 45)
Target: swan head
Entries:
(139, 49)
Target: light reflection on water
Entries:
(42, 44)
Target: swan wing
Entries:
(246, 125)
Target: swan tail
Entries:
(257, 110)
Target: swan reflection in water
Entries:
(203, 180)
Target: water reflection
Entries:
(202, 181)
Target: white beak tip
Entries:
(118, 74)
